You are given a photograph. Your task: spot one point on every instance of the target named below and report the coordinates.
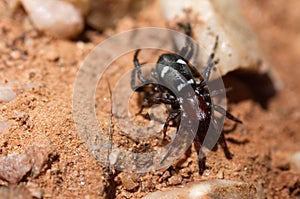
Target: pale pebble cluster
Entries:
(59, 17)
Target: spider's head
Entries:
(173, 72)
(180, 66)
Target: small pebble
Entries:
(10, 90)
(52, 55)
(175, 180)
(128, 181)
(165, 176)
(220, 175)
(4, 126)
(295, 160)
(7, 93)
(16, 54)
(185, 172)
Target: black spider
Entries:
(175, 75)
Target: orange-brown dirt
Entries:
(43, 115)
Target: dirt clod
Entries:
(14, 192)
(14, 167)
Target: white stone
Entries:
(238, 47)
(211, 189)
(57, 16)
(295, 159)
(7, 93)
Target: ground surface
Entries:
(42, 116)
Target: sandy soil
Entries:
(43, 115)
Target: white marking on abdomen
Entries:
(164, 71)
(191, 81)
(180, 86)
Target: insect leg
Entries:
(201, 156)
(201, 161)
(226, 113)
(222, 141)
(171, 117)
(210, 62)
(158, 100)
(137, 69)
(188, 44)
(223, 144)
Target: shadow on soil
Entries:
(257, 87)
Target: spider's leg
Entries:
(222, 141)
(196, 55)
(217, 92)
(145, 104)
(201, 155)
(158, 100)
(191, 52)
(213, 93)
(202, 161)
(210, 62)
(155, 97)
(187, 28)
(133, 73)
(226, 113)
(188, 44)
(137, 69)
(171, 117)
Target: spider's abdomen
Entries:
(206, 111)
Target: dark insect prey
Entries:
(176, 75)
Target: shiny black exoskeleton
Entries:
(176, 77)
